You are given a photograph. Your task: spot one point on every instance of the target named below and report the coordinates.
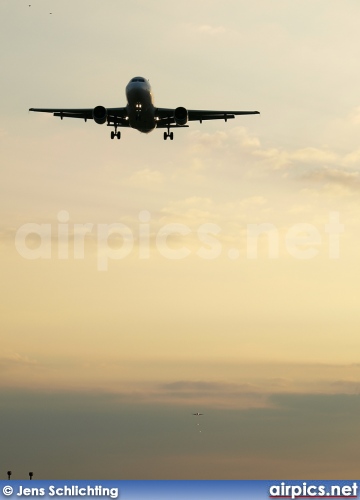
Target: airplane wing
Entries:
(166, 116)
(84, 113)
(113, 115)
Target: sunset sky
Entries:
(251, 315)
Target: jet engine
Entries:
(180, 116)
(100, 114)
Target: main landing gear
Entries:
(115, 134)
(168, 134)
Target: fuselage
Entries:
(140, 105)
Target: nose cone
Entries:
(137, 88)
(138, 82)
(134, 92)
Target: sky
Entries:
(144, 280)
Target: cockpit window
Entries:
(137, 79)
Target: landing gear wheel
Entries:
(118, 135)
(112, 135)
(168, 134)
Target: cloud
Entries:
(228, 219)
(332, 182)
(201, 387)
(205, 142)
(192, 210)
(314, 156)
(277, 159)
(355, 116)
(328, 404)
(214, 394)
(242, 137)
(305, 434)
(346, 386)
(238, 147)
(208, 29)
(146, 177)
(15, 360)
(205, 29)
(234, 139)
(7, 235)
(352, 159)
(334, 175)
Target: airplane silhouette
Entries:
(140, 112)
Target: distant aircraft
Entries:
(198, 414)
(140, 112)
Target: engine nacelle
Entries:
(100, 115)
(181, 116)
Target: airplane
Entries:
(140, 112)
(198, 414)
